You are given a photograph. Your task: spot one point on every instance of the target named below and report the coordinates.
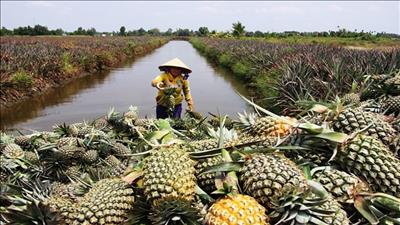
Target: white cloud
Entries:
(280, 9)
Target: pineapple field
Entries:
(321, 146)
(31, 65)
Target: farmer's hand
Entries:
(190, 105)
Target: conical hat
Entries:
(175, 63)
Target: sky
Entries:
(272, 16)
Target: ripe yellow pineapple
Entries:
(236, 209)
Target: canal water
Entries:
(89, 97)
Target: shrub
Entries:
(22, 79)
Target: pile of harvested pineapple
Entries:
(335, 164)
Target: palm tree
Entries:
(238, 29)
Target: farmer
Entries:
(175, 74)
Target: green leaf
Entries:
(362, 207)
(312, 128)
(163, 124)
(203, 195)
(317, 189)
(319, 108)
(388, 201)
(224, 167)
(334, 136)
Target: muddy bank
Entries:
(32, 65)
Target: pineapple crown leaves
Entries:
(378, 208)
(203, 195)
(174, 211)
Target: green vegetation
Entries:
(22, 79)
(280, 74)
(54, 60)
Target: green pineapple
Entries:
(117, 167)
(31, 157)
(351, 98)
(121, 150)
(13, 151)
(90, 156)
(372, 161)
(169, 172)
(207, 181)
(252, 125)
(352, 120)
(24, 141)
(341, 185)
(391, 105)
(268, 177)
(67, 152)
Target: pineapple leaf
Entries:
(203, 195)
(362, 207)
(224, 167)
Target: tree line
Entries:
(238, 30)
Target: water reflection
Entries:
(89, 97)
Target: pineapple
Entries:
(207, 181)
(107, 202)
(13, 151)
(117, 167)
(24, 141)
(121, 150)
(391, 105)
(90, 156)
(100, 123)
(341, 185)
(251, 125)
(351, 98)
(352, 120)
(73, 172)
(268, 177)
(236, 209)
(31, 157)
(70, 152)
(372, 161)
(202, 145)
(169, 172)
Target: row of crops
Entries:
(32, 64)
(281, 75)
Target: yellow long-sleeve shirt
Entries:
(170, 81)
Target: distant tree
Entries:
(141, 31)
(203, 31)
(40, 30)
(258, 33)
(238, 29)
(154, 31)
(5, 31)
(182, 32)
(122, 31)
(168, 32)
(92, 31)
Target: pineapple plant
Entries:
(13, 151)
(31, 157)
(169, 172)
(236, 209)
